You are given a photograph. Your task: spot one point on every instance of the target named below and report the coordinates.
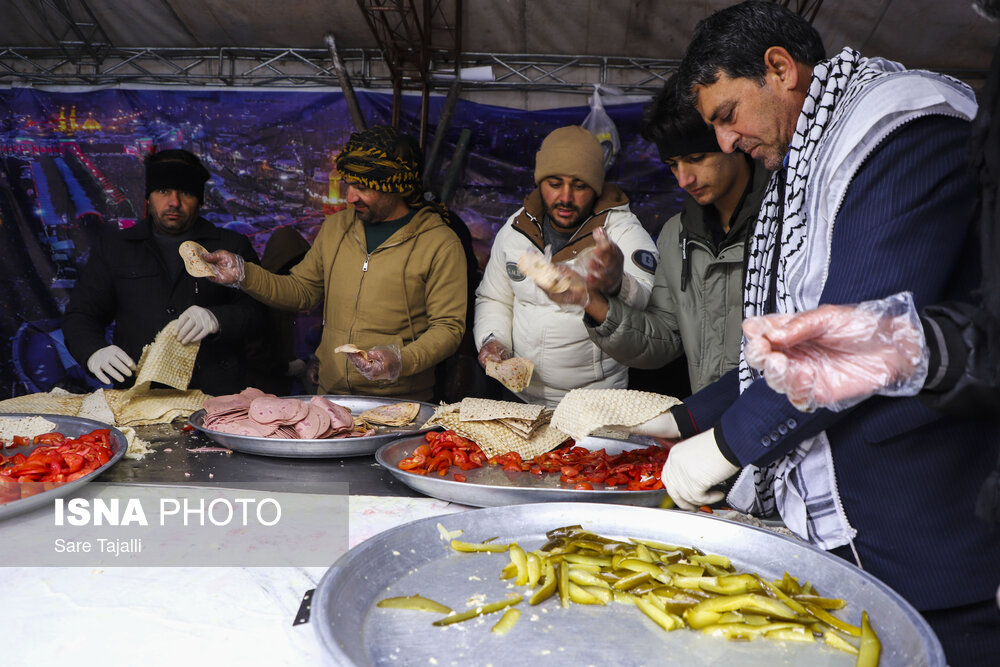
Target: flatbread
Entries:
(397, 414)
(582, 412)
(514, 373)
(191, 253)
(543, 272)
(483, 409)
(352, 349)
(495, 439)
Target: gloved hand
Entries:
(836, 356)
(693, 467)
(604, 264)
(384, 363)
(113, 361)
(662, 426)
(230, 268)
(195, 323)
(576, 294)
(493, 350)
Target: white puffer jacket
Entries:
(520, 315)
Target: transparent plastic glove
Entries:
(384, 363)
(493, 350)
(837, 356)
(663, 426)
(195, 323)
(603, 264)
(693, 467)
(230, 269)
(573, 292)
(110, 361)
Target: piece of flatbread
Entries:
(397, 414)
(191, 253)
(514, 373)
(483, 409)
(583, 412)
(543, 272)
(352, 349)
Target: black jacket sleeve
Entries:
(962, 378)
(91, 307)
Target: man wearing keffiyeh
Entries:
(389, 270)
(870, 196)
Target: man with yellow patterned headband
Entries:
(390, 272)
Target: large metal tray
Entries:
(69, 426)
(490, 486)
(330, 447)
(413, 558)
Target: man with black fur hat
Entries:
(389, 270)
(136, 278)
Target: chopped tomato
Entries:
(637, 469)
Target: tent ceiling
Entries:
(945, 36)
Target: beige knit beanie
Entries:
(571, 151)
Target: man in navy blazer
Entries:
(870, 196)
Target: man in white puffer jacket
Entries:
(514, 317)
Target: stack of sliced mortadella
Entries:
(255, 413)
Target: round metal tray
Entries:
(68, 426)
(491, 486)
(413, 558)
(328, 447)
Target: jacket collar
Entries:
(425, 219)
(694, 217)
(529, 221)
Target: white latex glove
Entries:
(693, 467)
(195, 323)
(110, 361)
(663, 426)
(230, 268)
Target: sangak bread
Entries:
(482, 409)
(496, 439)
(166, 361)
(191, 253)
(584, 411)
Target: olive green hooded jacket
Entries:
(696, 307)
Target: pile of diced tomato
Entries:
(55, 460)
(636, 470)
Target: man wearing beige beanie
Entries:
(572, 210)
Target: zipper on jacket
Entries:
(685, 262)
(364, 267)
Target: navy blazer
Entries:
(907, 475)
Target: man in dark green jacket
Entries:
(696, 305)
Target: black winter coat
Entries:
(126, 281)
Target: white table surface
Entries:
(106, 617)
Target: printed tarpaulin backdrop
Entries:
(71, 168)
